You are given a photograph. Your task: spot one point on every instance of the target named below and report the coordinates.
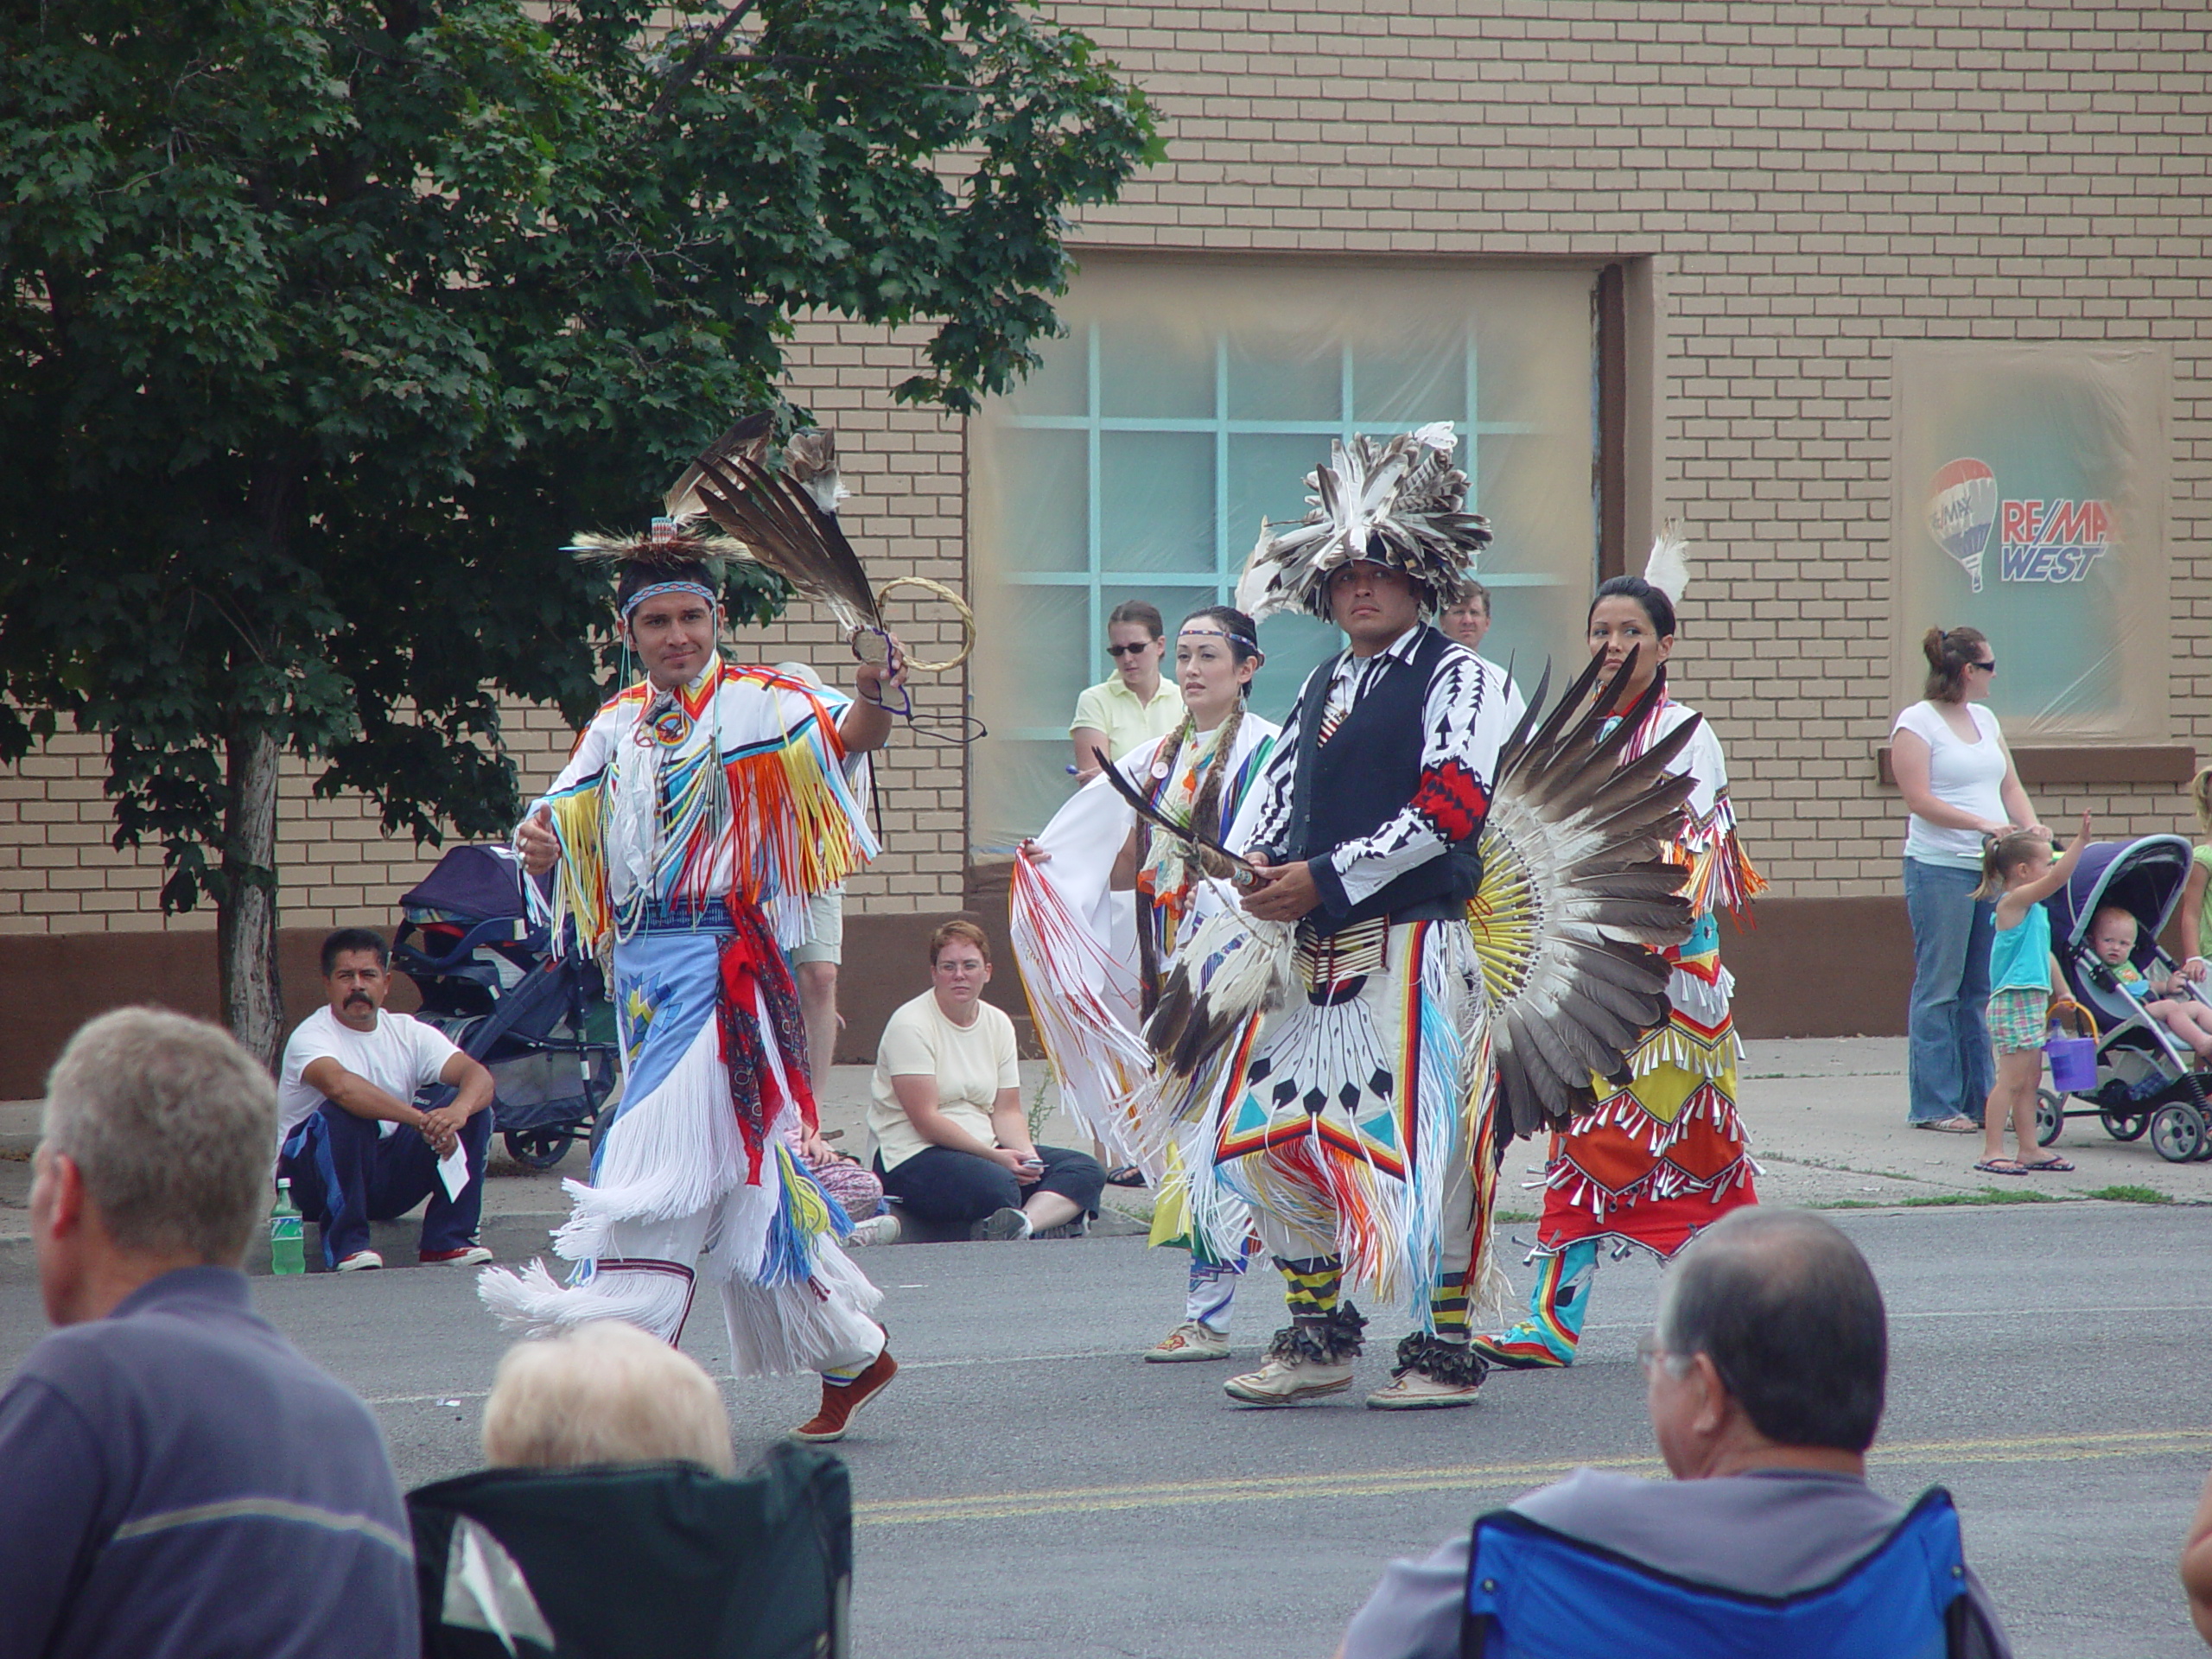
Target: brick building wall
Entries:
(1796, 191)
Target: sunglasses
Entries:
(1119, 652)
(1989, 667)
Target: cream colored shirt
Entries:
(1110, 706)
(970, 1067)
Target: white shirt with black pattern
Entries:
(1464, 726)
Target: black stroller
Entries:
(2146, 1077)
(541, 1025)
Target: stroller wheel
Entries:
(537, 1148)
(2178, 1133)
(2050, 1117)
(2124, 1126)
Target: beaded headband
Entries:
(655, 589)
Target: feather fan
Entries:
(778, 518)
(1577, 901)
(748, 438)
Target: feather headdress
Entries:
(669, 543)
(1401, 504)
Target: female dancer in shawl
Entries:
(1663, 1156)
(1087, 995)
(702, 808)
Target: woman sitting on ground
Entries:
(952, 1140)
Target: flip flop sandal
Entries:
(2002, 1167)
(2048, 1167)
(1126, 1175)
(1958, 1125)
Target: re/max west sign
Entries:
(2050, 541)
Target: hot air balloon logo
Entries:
(1961, 511)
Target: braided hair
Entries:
(1243, 640)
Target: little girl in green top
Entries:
(2020, 873)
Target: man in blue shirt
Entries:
(180, 1480)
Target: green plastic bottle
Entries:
(287, 1243)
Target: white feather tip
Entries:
(1669, 568)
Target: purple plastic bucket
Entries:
(2073, 1063)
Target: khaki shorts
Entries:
(826, 929)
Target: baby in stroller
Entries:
(2165, 992)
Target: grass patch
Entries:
(2131, 1195)
(1515, 1214)
(1988, 1195)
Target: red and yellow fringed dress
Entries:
(1664, 1155)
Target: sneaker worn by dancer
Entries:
(1193, 1340)
(1557, 1306)
(876, 1230)
(361, 1262)
(1431, 1374)
(1309, 1358)
(470, 1255)
(841, 1400)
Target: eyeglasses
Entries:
(1119, 652)
(1648, 1352)
(1989, 667)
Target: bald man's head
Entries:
(1789, 1313)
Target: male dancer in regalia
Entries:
(702, 808)
(1345, 1131)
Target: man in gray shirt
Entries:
(1765, 1380)
(179, 1481)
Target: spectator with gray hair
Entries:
(180, 1481)
(1764, 1380)
(604, 1393)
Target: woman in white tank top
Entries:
(1958, 784)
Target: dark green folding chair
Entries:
(658, 1560)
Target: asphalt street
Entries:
(1028, 1483)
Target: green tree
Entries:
(325, 323)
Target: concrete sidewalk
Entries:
(1827, 1120)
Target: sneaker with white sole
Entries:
(1193, 1340)
(361, 1262)
(1001, 1225)
(876, 1230)
(471, 1255)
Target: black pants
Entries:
(344, 1175)
(959, 1188)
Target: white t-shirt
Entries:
(401, 1056)
(971, 1066)
(1969, 776)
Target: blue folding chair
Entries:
(1535, 1593)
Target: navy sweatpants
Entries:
(344, 1175)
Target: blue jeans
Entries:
(1950, 1069)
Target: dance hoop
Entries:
(959, 605)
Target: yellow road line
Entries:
(1472, 1478)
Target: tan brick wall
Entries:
(1811, 185)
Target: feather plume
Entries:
(1669, 568)
(1401, 504)
(748, 437)
(1577, 901)
(667, 544)
(1235, 966)
(776, 517)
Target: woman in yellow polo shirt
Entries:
(1134, 704)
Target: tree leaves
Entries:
(325, 323)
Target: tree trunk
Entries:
(246, 907)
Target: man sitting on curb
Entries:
(178, 1479)
(352, 1142)
(1765, 1380)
